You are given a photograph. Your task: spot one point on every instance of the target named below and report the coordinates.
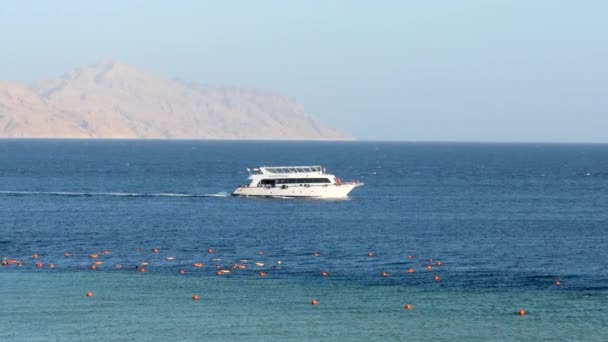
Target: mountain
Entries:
(115, 100)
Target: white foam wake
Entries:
(107, 194)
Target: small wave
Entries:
(107, 194)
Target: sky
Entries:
(500, 71)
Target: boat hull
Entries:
(329, 191)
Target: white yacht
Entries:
(294, 181)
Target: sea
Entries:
(467, 234)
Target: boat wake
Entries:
(108, 194)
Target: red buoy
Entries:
(195, 297)
(436, 278)
(314, 302)
(384, 274)
(89, 294)
(324, 274)
(315, 254)
(521, 312)
(210, 250)
(407, 307)
(370, 254)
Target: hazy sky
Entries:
(385, 70)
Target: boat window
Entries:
(302, 181)
(306, 169)
(300, 169)
(264, 182)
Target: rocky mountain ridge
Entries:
(115, 100)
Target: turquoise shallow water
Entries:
(506, 221)
(52, 306)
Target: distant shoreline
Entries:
(430, 142)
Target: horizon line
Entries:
(317, 140)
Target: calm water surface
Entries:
(505, 220)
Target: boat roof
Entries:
(291, 169)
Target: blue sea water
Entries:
(505, 220)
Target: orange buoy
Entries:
(197, 265)
(195, 297)
(521, 312)
(51, 265)
(89, 294)
(384, 274)
(407, 307)
(210, 250)
(370, 254)
(409, 257)
(67, 254)
(182, 272)
(35, 256)
(93, 256)
(557, 283)
(436, 278)
(96, 262)
(218, 273)
(315, 254)
(429, 267)
(410, 270)
(154, 250)
(93, 267)
(261, 274)
(438, 263)
(314, 302)
(324, 274)
(142, 270)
